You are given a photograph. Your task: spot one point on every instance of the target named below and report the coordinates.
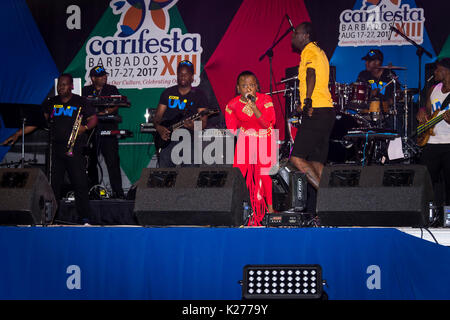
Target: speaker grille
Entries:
(374, 196)
(197, 196)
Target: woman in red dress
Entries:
(253, 113)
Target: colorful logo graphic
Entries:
(371, 25)
(143, 53)
(59, 110)
(135, 12)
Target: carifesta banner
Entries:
(139, 43)
(143, 52)
(369, 25)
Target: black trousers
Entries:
(436, 157)
(109, 148)
(76, 169)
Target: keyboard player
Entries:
(108, 146)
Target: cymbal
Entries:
(391, 67)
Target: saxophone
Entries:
(74, 133)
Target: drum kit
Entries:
(365, 122)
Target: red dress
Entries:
(255, 151)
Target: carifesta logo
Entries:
(371, 24)
(143, 53)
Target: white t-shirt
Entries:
(442, 129)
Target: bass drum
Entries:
(341, 150)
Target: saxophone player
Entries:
(62, 113)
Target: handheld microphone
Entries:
(250, 97)
(290, 22)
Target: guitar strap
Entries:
(445, 102)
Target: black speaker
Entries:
(25, 197)
(396, 195)
(191, 196)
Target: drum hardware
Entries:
(280, 91)
(339, 95)
(288, 79)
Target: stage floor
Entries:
(201, 263)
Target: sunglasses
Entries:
(186, 63)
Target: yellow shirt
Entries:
(314, 57)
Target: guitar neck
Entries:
(429, 124)
(191, 118)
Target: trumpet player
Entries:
(69, 116)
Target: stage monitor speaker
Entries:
(289, 188)
(191, 196)
(26, 197)
(394, 195)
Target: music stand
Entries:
(18, 115)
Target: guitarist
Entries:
(436, 153)
(176, 103)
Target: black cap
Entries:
(97, 71)
(373, 54)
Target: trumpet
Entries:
(74, 133)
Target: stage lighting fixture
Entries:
(282, 282)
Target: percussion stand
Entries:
(405, 117)
(288, 112)
(394, 82)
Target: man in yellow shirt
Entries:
(311, 143)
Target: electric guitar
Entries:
(176, 123)
(424, 131)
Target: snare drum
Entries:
(359, 93)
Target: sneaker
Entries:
(84, 222)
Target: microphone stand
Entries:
(269, 53)
(420, 51)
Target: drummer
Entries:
(377, 78)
